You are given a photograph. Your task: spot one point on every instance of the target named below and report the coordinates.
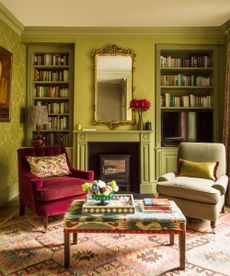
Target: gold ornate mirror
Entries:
(113, 86)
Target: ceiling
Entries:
(120, 13)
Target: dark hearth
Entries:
(95, 149)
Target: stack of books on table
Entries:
(156, 205)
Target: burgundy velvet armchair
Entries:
(48, 196)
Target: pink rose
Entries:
(134, 104)
(140, 105)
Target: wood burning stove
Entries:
(116, 167)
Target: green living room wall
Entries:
(12, 133)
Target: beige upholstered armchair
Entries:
(197, 197)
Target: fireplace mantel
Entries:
(144, 138)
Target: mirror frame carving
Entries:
(112, 50)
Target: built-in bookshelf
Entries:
(186, 93)
(50, 83)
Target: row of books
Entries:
(51, 59)
(168, 100)
(57, 108)
(41, 91)
(57, 123)
(185, 80)
(192, 61)
(156, 204)
(51, 75)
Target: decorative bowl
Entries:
(103, 198)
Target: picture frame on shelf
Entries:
(6, 58)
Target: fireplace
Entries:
(121, 158)
(116, 167)
(89, 145)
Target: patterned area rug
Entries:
(25, 250)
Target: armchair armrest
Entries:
(33, 178)
(167, 177)
(221, 184)
(88, 175)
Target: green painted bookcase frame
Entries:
(166, 156)
(52, 49)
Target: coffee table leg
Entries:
(75, 238)
(171, 239)
(182, 250)
(66, 249)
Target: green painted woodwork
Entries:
(166, 160)
(80, 151)
(212, 71)
(12, 133)
(32, 50)
(12, 22)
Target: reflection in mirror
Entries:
(113, 86)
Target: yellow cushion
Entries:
(45, 166)
(198, 169)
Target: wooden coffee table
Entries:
(139, 223)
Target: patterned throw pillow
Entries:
(45, 166)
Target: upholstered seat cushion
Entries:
(191, 188)
(55, 188)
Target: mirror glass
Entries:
(113, 86)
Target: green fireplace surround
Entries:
(144, 138)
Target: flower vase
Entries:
(140, 121)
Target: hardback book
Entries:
(156, 202)
(156, 208)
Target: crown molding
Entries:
(31, 32)
(226, 27)
(11, 20)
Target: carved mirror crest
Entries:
(113, 86)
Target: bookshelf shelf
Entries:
(51, 98)
(186, 108)
(50, 83)
(195, 69)
(186, 87)
(51, 67)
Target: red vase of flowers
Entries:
(140, 106)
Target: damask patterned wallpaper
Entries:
(12, 133)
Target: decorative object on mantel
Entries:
(38, 115)
(148, 126)
(99, 190)
(78, 127)
(140, 106)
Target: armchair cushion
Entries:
(55, 188)
(198, 169)
(45, 166)
(191, 188)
